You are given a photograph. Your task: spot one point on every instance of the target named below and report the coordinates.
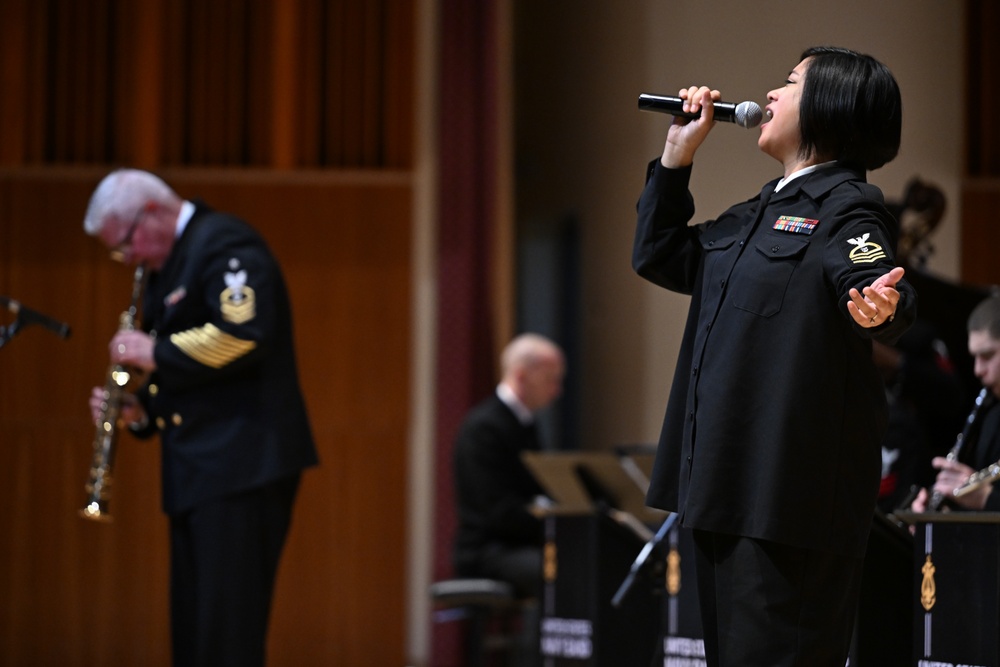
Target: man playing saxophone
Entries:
(980, 445)
(222, 392)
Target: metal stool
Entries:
(489, 608)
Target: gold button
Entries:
(153, 390)
(176, 419)
(160, 423)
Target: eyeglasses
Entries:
(123, 247)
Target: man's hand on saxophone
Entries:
(131, 413)
(134, 349)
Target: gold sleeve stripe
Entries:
(211, 346)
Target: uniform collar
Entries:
(782, 182)
(510, 399)
(817, 183)
(187, 210)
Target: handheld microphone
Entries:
(26, 315)
(744, 114)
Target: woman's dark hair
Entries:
(850, 109)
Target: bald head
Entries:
(533, 367)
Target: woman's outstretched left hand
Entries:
(877, 305)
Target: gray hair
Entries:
(122, 194)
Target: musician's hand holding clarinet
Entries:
(951, 476)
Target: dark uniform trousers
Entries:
(220, 590)
(765, 604)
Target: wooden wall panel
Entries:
(982, 63)
(981, 231)
(981, 188)
(76, 593)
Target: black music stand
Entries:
(598, 523)
(956, 587)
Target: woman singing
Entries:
(770, 450)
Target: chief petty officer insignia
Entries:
(237, 301)
(865, 251)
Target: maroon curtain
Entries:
(467, 135)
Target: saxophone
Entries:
(98, 486)
(937, 498)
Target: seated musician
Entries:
(498, 536)
(979, 446)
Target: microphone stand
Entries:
(641, 559)
(8, 332)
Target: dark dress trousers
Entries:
(226, 403)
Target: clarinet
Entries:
(987, 475)
(937, 498)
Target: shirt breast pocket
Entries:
(767, 272)
(720, 253)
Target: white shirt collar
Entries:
(510, 399)
(187, 210)
(802, 172)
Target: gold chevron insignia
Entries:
(211, 345)
(238, 304)
(866, 253)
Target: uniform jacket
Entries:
(776, 412)
(225, 397)
(493, 486)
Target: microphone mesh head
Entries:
(748, 114)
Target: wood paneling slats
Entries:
(57, 79)
(336, 82)
(13, 70)
(983, 89)
(143, 83)
(372, 113)
(202, 114)
(981, 188)
(287, 84)
(313, 83)
(397, 85)
(37, 88)
(980, 231)
(175, 90)
(234, 124)
(312, 114)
